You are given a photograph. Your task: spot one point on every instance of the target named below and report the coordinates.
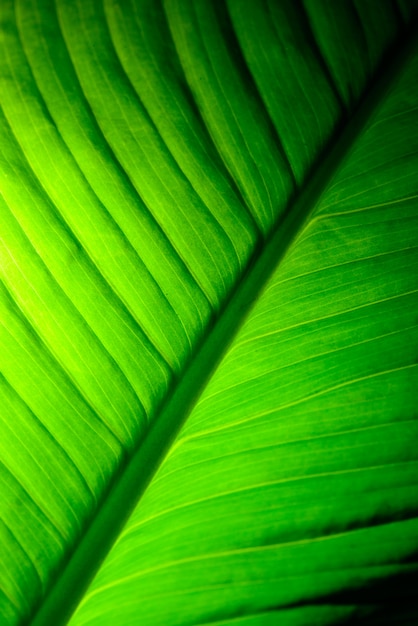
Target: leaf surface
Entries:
(292, 487)
(155, 175)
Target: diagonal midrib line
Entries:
(126, 488)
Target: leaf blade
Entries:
(151, 379)
(287, 495)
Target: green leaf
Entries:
(208, 299)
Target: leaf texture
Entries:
(292, 486)
(148, 152)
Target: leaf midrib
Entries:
(126, 489)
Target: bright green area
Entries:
(189, 240)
